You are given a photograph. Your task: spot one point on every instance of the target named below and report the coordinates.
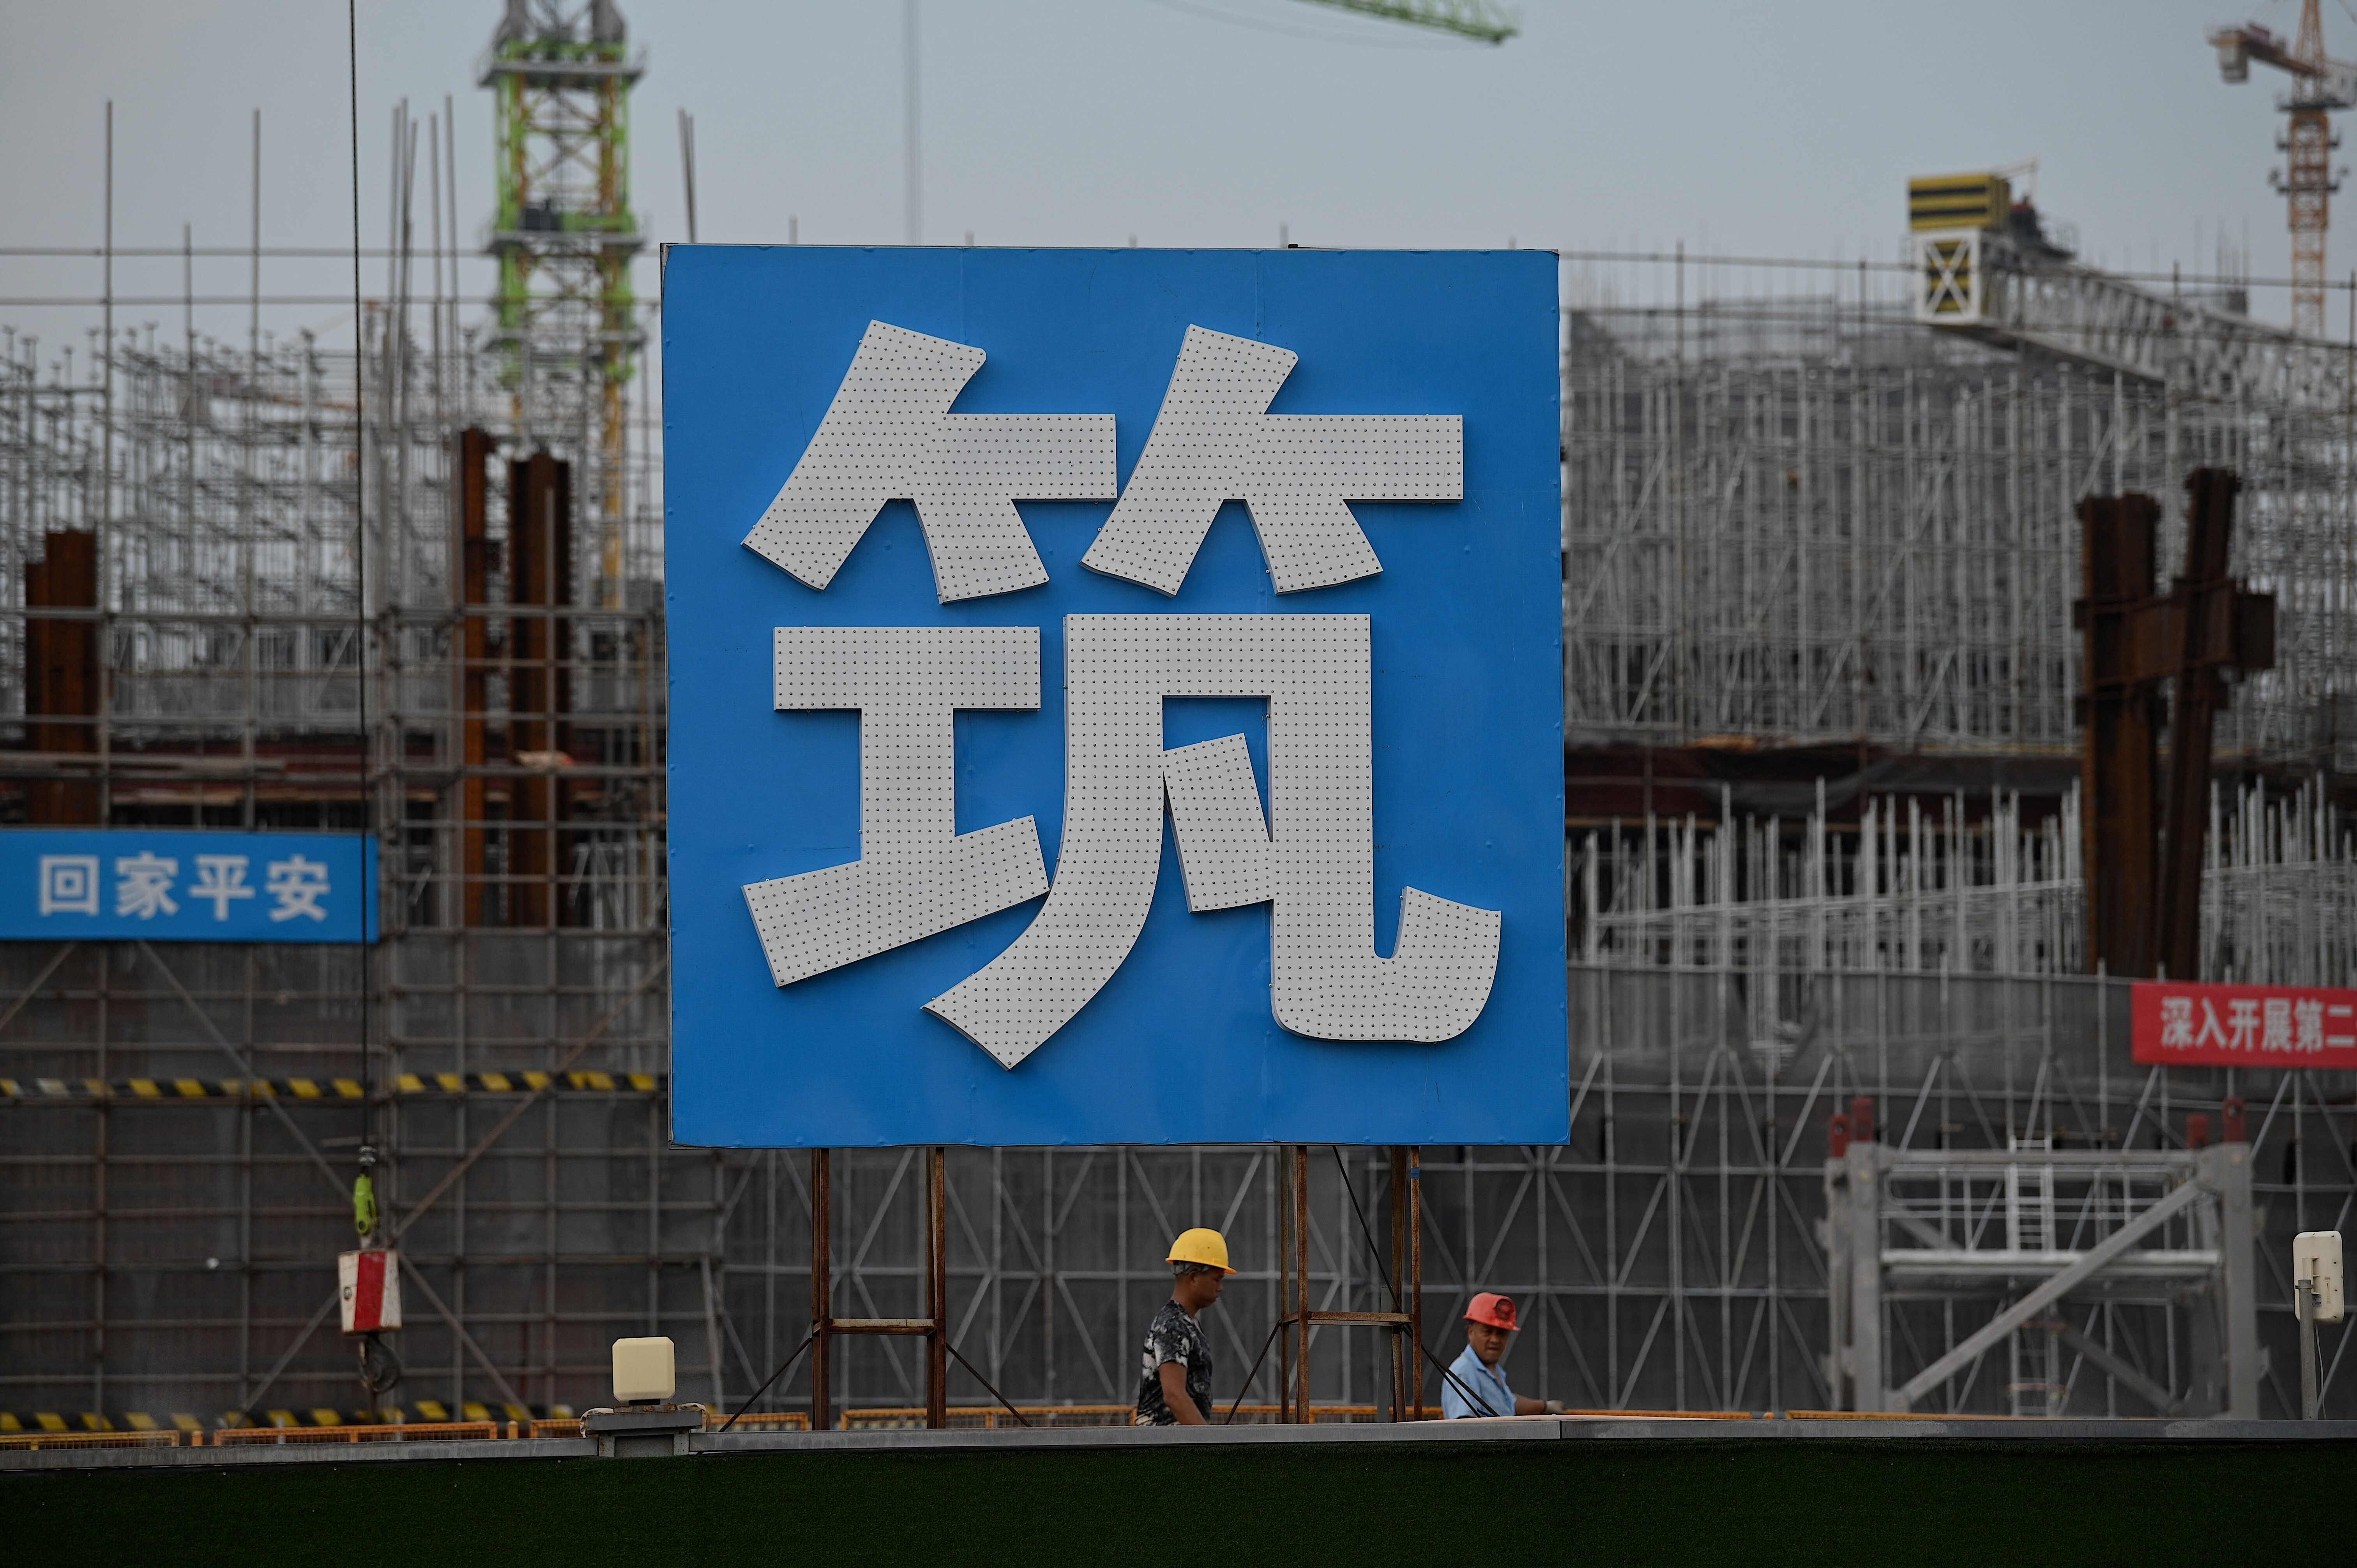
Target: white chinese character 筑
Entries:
(916, 874)
(299, 885)
(2242, 1022)
(2308, 1017)
(221, 878)
(143, 886)
(69, 884)
(1316, 868)
(1214, 441)
(889, 436)
(2274, 1033)
(2177, 1022)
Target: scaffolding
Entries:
(174, 1252)
(1794, 518)
(1958, 884)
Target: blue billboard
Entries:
(1115, 696)
(184, 886)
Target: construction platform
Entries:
(1565, 1489)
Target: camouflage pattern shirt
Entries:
(1173, 1336)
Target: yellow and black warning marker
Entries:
(1959, 202)
(182, 1091)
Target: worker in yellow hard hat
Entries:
(1476, 1383)
(1174, 1388)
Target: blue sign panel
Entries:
(113, 884)
(1117, 697)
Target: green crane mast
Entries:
(560, 72)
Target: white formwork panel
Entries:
(1215, 441)
(916, 874)
(1223, 850)
(889, 436)
(1327, 982)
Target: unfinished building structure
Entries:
(1822, 679)
(1820, 565)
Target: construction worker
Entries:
(1175, 1385)
(1475, 1384)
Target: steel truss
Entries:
(2139, 1262)
(1797, 521)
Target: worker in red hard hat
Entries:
(1476, 1384)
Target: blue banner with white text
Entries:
(166, 886)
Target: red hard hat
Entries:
(1495, 1310)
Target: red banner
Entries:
(2245, 1026)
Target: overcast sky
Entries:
(1775, 129)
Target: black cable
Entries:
(782, 1367)
(985, 1383)
(359, 558)
(1365, 1230)
(1265, 1344)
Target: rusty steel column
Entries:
(469, 591)
(2119, 721)
(1300, 1159)
(2204, 625)
(937, 1289)
(822, 1273)
(1284, 1163)
(1416, 1281)
(540, 579)
(1403, 1354)
(61, 678)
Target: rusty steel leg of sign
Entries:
(822, 1288)
(1299, 1161)
(937, 1290)
(1296, 1319)
(1283, 1284)
(1403, 1365)
(934, 1327)
(1416, 1282)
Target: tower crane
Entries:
(2319, 85)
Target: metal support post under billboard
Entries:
(933, 1326)
(1404, 1278)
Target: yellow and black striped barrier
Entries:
(420, 1412)
(12, 1421)
(181, 1090)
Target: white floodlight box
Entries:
(644, 1372)
(2315, 1257)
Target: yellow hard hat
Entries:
(1202, 1246)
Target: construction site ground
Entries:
(1604, 1489)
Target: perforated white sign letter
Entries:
(1214, 441)
(916, 874)
(1316, 863)
(889, 436)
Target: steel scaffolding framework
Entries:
(175, 1250)
(1795, 517)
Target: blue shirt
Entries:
(1487, 1383)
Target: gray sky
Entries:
(1782, 129)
